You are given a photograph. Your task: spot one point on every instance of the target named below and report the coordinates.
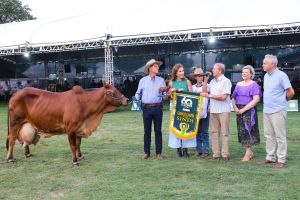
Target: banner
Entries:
(185, 114)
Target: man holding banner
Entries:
(149, 92)
(202, 137)
(220, 90)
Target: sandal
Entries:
(248, 157)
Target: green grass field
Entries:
(113, 168)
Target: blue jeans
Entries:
(155, 114)
(203, 136)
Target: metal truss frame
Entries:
(201, 34)
(193, 35)
(205, 34)
(48, 48)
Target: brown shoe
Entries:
(197, 154)
(225, 159)
(279, 165)
(215, 158)
(159, 157)
(146, 156)
(264, 162)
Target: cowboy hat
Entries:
(150, 63)
(197, 71)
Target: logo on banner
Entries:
(185, 114)
(183, 127)
(186, 104)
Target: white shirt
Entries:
(205, 100)
(219, 86)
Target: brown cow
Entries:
(33, 113)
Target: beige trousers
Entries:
(274, 131)
(220, 123)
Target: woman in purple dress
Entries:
(245, 97)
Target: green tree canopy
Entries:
(13, 10)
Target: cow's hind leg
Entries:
(11, 142)
(78, 152)
(72, 142)
(27, 152)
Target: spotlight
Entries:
(26, 54)
(212, 39)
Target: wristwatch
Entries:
(209, 96)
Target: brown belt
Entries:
(152, 104)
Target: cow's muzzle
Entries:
(122, 100)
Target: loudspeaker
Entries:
(67, 68)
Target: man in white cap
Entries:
(149, 92)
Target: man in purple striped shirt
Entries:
(149, 92)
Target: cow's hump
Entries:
(78, 90)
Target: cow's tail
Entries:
(7, 140)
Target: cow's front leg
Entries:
(72, 142)
(78, 152)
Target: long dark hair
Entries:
(175, 69)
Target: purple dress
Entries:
(247, 123)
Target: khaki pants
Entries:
(274, 131)
(220, 123)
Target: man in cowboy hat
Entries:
(148, 91)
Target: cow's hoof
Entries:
(28, 155)
(76, 164)
(11, 160)
(80, 158)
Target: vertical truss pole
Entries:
(109, 62)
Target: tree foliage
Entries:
(14, 11)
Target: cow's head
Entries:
(114, 96)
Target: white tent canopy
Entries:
(159, 16)
(140, 71)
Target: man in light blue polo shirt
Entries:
(149, 92)
(277, 90)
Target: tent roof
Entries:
(158, 17)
